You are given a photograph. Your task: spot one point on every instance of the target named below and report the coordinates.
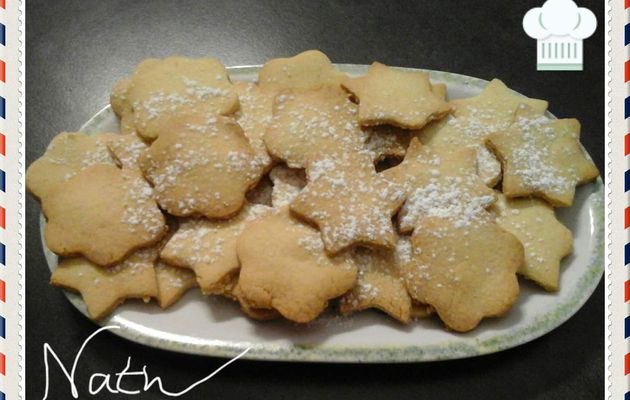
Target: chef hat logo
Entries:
(559, 26)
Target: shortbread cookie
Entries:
(351, 205)
(209, 248)
(466, 272)
(103, 289)
(289, 270)
(396, 97)
(387, 141)
(545, 240)
(201, 165)
(160, 89)
(102, 213)
(172, 283)
(542, 157)
(254, 115)
(438, 184)
(287, 184)
(306, 70)
(475, 118)
(309, 125)
(66, 155)
(126, 149)
(379, 283)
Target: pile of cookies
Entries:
(311, 188)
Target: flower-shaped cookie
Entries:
(67, 154)
(306, 70)
(201, 166)
(159, 89)
(309, 125)
(103, 213)
(289, 270)
(465, 272)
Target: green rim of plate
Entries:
(543, 324)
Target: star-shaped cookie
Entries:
(465, 272)
(309, 125)
(208, 247)
(67, 154)
(103, 289)
(440, 184)
(473, 119)
(351, 204)
(545, 240)
(379, 282)
(396, 97)
(201, 165)
(542, 157)
(172, 283)
(306, 70)
(103, 213)
(289, 270)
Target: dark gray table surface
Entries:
(76, 50)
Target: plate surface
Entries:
(216, 327)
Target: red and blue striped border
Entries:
(626, 216)
(3, 210)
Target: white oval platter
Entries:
(216, 327)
